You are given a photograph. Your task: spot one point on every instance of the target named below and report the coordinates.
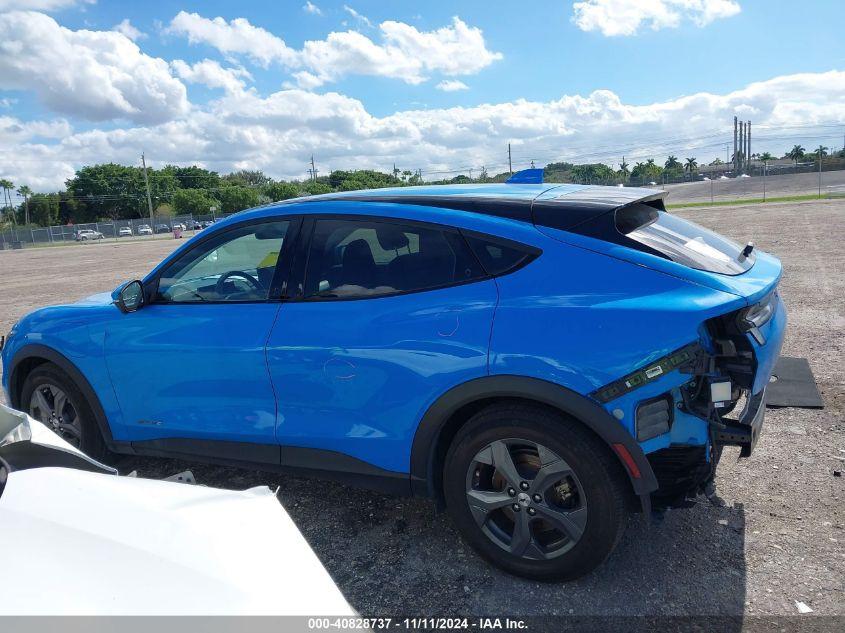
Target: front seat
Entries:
(359, 267)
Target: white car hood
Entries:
(85, 543)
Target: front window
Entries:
(236, 265)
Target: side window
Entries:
(354, 259)
(237, 265)
(499, 256)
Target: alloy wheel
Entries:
(50, 405)
(526, 499)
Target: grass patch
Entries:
(724, 203)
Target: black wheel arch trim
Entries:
(48, 354)
(586, 411)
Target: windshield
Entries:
(682, 241)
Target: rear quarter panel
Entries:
(583, 319)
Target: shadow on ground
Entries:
(393, 556)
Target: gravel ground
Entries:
(776, 538)
(743, 188)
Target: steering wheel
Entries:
(252, 281)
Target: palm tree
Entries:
(796, 153)
(25, 192)
(623, 169)
(691, 166)
(766, 156)
(7, 185)
(671, 162)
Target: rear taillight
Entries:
(752, 318)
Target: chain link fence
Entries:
(133, 229)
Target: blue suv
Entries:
(539, 358)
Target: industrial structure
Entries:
(742, 145)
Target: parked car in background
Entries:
(84, 235)
(180, 226)
(535, 356)
(133, 546)
(162, 228)
(194, 225)
(124, 231)
(144, 229)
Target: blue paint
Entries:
(357, 376)
(526, 177)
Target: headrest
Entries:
(390, 238)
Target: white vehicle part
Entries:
(82, 543)
(93, 543)
(17, 428)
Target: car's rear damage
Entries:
(689, 403)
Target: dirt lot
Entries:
(778, 537)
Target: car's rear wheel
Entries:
(534, 492)
(50, 396)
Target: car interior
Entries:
(351, 259)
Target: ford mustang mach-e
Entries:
(539, 358)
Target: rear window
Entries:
(499, 257)
(682, 241)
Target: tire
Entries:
(577, 519)
(49, 380)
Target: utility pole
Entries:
(149, 197)
(820, 171)
(313, 169)
(748, 142)
(510, 164)
(765, 171)
(735, 157)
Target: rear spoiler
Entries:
(566, 211)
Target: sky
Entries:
(440, 86)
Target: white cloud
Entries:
(95, 75)
(125, 27)
(278, 132)
(363, 19)
(405, 53)
(626, 17)
(13, 130)
(451, 85)
(237, 37)
(313, 9)
(40, 5)
(210, 73)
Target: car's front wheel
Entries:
(50, 396)
(534, 493)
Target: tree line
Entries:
(109, 191)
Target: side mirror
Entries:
(131, 297)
